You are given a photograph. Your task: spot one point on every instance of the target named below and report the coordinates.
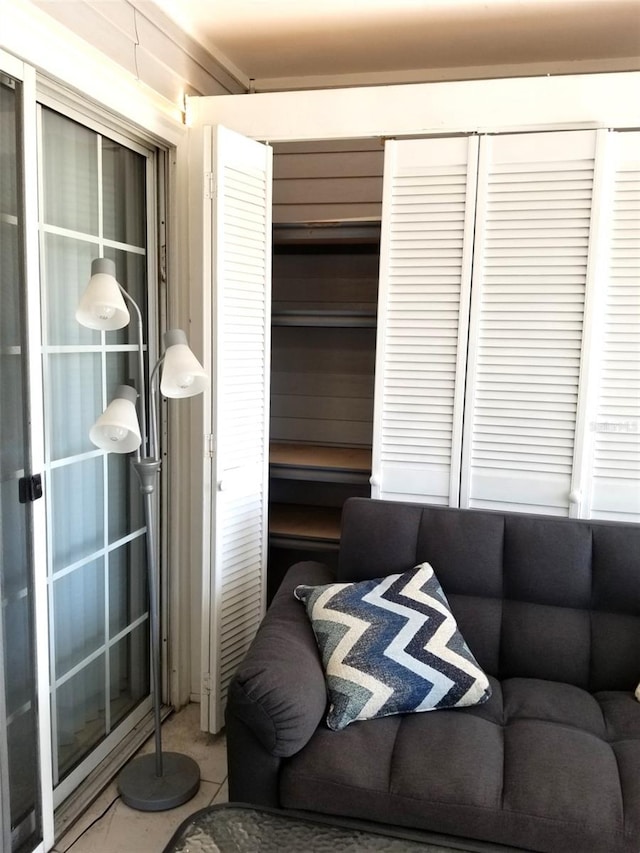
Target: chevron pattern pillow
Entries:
(391, 646)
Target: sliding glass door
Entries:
(93, 203)
(19, 765)
(74, 618)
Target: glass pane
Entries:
(75, 401)
(70, 155)
(23, 762)
(67, 265)
(131, 273)
(127, 585)
(123, 194)
(77, 502)
(122, 369)
(78, 604)
(12, 451)
(126, 511)
(8, 148)
(9, 275)
(80, 704)
(13, 539)
(17, 663)
(129, 662)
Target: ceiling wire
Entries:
(136, 44)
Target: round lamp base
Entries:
(141, 789)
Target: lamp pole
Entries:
(148, 471)
(143, 414)
(159, 780)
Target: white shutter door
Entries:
(241, 260)
(529, 287)
(615, 484)
(425, 264)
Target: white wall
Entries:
(144, 41)
(60, 55)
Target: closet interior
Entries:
(326, 251)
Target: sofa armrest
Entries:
(279, 690)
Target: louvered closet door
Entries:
(241, 252)
(615, 485)
(531, 266)
(427, 241)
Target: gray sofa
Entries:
(551, 610)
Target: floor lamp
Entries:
(160, 780)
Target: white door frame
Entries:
(27, 76)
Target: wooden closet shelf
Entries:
(319, 462)
(305, 523)
(325, 319)
(333, 306)
(319, 233)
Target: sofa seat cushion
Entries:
(544, 766)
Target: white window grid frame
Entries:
(62, 788)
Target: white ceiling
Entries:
(287, 40)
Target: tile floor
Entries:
(109, 826)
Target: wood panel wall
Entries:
(323, 375)
(327, 180)
(322, 385)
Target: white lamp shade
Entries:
(182, 373)
(102, 305)
(117, 429)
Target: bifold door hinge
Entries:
(207, 685)
(209, 446)
(209, 185)
(29, 488)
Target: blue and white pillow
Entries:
(391, 646)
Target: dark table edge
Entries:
(385, 830)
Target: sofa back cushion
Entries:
(534, 596)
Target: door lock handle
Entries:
(29, 488)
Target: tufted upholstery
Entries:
(539, 759)
(551, 610)
(534, 596)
